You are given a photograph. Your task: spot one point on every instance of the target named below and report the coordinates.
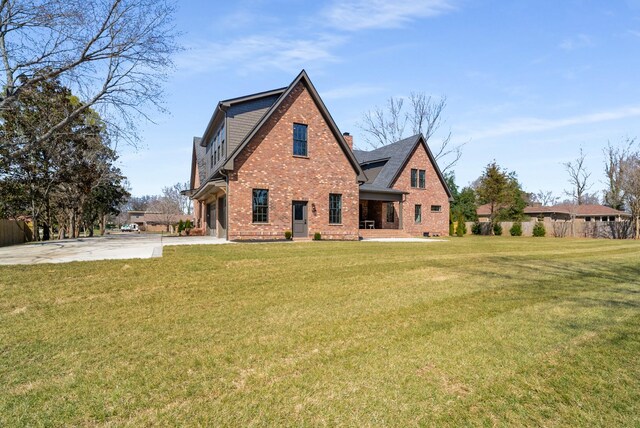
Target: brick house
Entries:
(276, 161)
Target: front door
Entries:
(299, 215)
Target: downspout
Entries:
(226, 208)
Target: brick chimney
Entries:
(349, 139)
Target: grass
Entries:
(475, 331)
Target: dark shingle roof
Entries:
(395, 155)
(374, 188)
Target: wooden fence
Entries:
(14, 232)
(568, 229)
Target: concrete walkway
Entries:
(116, 246)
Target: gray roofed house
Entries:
(382, 165)
(251, 146)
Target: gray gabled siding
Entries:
(242, 117)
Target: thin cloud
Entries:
(529, 125)
(577, 42)
(350, 91)
(258, 52)
(354, 15)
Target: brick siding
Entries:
(434, 193)
(267, 162)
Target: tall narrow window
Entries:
(260, 205)
(421, 178)
(391, 212)
(299, 139)
(335, 208)
(418, 215)
(414, 178)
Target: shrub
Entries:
(187, 224)
(287, 234)
(461, 227)
(516, 229)
(317, 236)
(538, 229)
(476, 229)
(180, 227)
(451, 228)
(497, 229)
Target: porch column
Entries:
(400, 215)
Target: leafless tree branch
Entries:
(115, 54)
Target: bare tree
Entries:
(167, 208)
(113, 53)
(546, 198)
(631, 189)
(384, 127)
(615, 159)
(175, 193)
(578, 178)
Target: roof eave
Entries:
(302, 77)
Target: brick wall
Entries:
(434, 193)
(267, 162)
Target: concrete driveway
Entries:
(116, 246)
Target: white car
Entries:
(130, 228)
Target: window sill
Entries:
(336, 224)
(257, 223)
(301, 156)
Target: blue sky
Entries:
(528, 83)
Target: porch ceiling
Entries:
(208, 189)
(389, 195)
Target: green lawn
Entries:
(475, 331)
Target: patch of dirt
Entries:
(447, 383)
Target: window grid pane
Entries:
(260, 205)
(335, 208)
(421, 184)
(299, 139)
(418, 215)
(414, 178)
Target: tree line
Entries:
(76, 77)
(502, 192)
(65, 182)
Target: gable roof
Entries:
(198, 158)
(395, 156)
(224, 105)
(304, 79)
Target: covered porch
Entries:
(210, 205)
(380, 209)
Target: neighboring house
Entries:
(565, 212)
(156, 221)
(276, 161)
